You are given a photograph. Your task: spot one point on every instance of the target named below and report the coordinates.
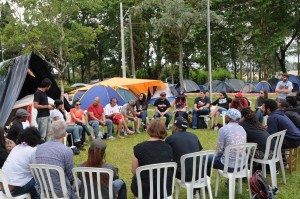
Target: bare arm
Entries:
(134, 164)
(38, 106)
(91, 114)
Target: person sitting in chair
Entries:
(201, 107)
(130, 114)
(162, 108)
(181, 106)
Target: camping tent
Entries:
(296, 82)
(104, 92)
(218, 86)
(273, 83)
(236, 84)
(156, 95)
(79, 85)
(248, 88)
(263, 85)
(126, 94)
(27, 104)
(189, 86)
(22, 77)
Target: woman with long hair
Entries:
(263, 94)
(181, 106)
(16, 167)
(3, 151)
(77, 117)
(153, 151)
(221, 104)
(59, 113)
(96, 156)
(141, 109)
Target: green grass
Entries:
(119, 153)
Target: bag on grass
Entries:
(260, 189)
(201, 123)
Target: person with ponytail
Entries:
(96, 156)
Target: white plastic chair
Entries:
(42, 175)
(241, 168)
(88, 183)
(7, 194)
(278, 139)
(158, 168)
(199, 159)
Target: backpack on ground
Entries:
(260, 189)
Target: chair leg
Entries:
(209, 189)
(282, 169)
(273, 173)
(217, 184)
(203, 193)
(189, 192)
(240, 186)
(177, 189)
(263, 166)
(248, 181)
(231, 187)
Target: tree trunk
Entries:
(180, 66)
(172, 73)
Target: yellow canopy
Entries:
(137, 86)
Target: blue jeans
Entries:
(95, 125)
(144, 116)
(196, 114)
(217, 164)
(44, 124)
(259, 115)
(221, 109)
(27, 188)
(76, 131)
(120, 188)
(167, 115)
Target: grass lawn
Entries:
(119, 153)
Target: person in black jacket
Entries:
(17, 127)
(221, 104)
(290, 112)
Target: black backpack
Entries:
(260, 189)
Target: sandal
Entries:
(120, 137)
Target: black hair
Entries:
(291, 100)
(285, 75)
(250, 117)
(271, 104)
(2, 138)
(111, 99)
(74, 102)
(224, 94)
(144, 97)
(31, 136)
(284, 104)
(45, 83)
(202, 91)
(58, 102)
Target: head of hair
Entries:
(31, 136)
(291, 100)
(45, 83)
(224, 94)
(113, 98)
(250, 117)
(283, 104)
(203, 91)
(157, 129)
(285, 75)
(58, 129)
(95, 159)
(144, 96)
(265, 93)
(270, 104)
(58, 102)
(75, 101)
(2, 137)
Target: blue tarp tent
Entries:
(78, 95)
(104, 92)
(126, 94)
(296, 82)
(263, 85)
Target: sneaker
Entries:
(194, 127)
(75, 150)
(125, 134)
(110, 138)
(137, 132)
(216, 128)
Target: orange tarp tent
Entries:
(137, 86)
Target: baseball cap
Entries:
(98, 144)
(239, 94)
(181, 122)
(162, 94)
(234, 114)
(22, 113)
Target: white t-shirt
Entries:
(108, 109)
(56, 113)
(285, 85)
(16, 166)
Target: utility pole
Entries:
(122, 41)
(131, 48)
(209, 50)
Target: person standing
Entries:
(201, 107)
(40, 102)
(284, 87)
(162, 108)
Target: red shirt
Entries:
(77, 115)
(97, 110)
(237, 105)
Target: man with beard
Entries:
(162, 108)
(284, 87)
(278, 121)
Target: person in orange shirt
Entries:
(77, 116)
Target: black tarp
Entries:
(17, 82)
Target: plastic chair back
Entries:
(89, 185)
(199, 159)
(242, 153)
(162, 170)
(278, 140)
(43, 174)
(7, 194)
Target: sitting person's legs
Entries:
(120, 188)
(95, 126)
(168, 115)
(109, 125)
